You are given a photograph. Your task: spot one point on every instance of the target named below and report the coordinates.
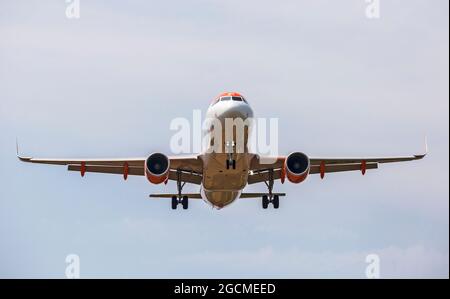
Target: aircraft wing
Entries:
(261, 172)
(190, 167)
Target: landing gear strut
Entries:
(180, 199)
(270, 198)
(229, 148)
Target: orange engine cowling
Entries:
(296, 167)
(157, 168)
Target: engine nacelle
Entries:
(296, 167)
(157, 168)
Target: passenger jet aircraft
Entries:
(222, 176)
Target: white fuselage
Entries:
(221, 184)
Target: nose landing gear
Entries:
(231, 163)
(229, 148)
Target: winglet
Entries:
(426, 145)
(425, 152)
(23, 159)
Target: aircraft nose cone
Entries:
(237, 111)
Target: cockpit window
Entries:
(229, 98)
(215, 101)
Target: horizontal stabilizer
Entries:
(189, 195)
(198, 195)
(259, 195)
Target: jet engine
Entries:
(157, 168)
(296, 167)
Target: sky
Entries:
(109, 83)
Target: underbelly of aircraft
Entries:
(220, 199)
(221, 185)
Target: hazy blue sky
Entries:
(109, 83)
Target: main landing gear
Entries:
(184, 201)
(180, 199)
(270, 198)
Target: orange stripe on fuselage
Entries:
(228, 94)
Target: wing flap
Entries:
(330, 168)
(260, 163)
(263, 176)
(188, 164)
(108, 169)
(329, 161)
(187, 177)
(132, 162)
(191, 167)
(260, 166)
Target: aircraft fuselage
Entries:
(224, 181)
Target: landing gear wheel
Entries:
(265, 202)
(174, 202)
(276, 201)
(231, 164)
(185, 202)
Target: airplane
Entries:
(222, 176)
